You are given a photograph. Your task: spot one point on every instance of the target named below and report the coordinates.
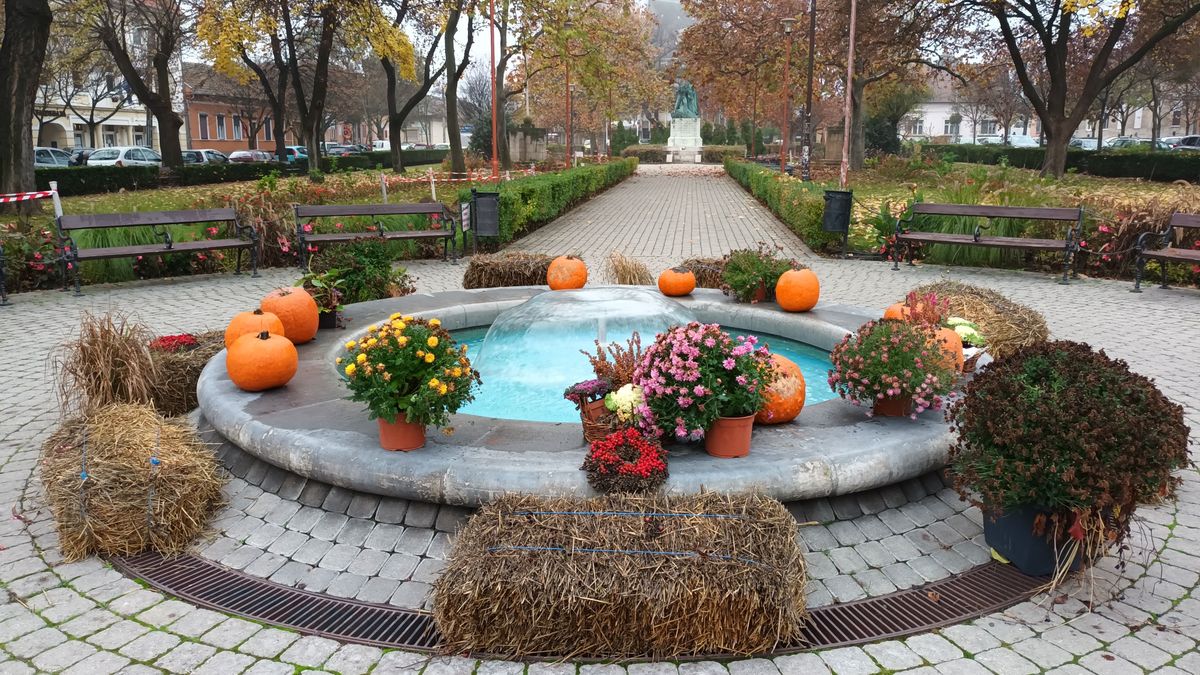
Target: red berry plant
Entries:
(174, 343)
(626, 461)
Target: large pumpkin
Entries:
(785, 396)
(677, 281)
(951, 346)
(297, 311)
(566, 272)
(262, 361)
(797, 290)
(251, 322)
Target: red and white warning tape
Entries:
(25, 196)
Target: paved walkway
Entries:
(85, 618)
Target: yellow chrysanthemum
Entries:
(407, 317)
(387, 377)
(435, 322)
(429, 358)
(434, 382)
(372, 328)
(402, 340)
(457, 372)
(432, 341)
(372, 342)
(394, 316)
(338, 360)
(361, 358)
(351, 344)
(350, 369)
(442, 390)
(420, 353)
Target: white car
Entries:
(1022, 141)
(124, 156)
(204, 157)
(45, 158)
(381, 146)
(1083, 143)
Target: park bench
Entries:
(441, 224)
(1068, 245)
(237, 236)
(1160, 246)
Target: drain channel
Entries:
(979, 591)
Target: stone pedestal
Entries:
(684, 144)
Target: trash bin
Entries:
(485, 216)
(837, 211)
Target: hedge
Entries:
(527, 203)
(710, 154)
(86, 180)
(204, 174)
(1162, 165)
(801, 206)
(647, 154)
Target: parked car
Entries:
(988, 139)
(1022, 141)
(124, 155)
(204, 157)
(1188, 144)
(1083, 143)
(294, 153)
(442, 146)
(249, 156)
(79, 156)
(1171, 141)
(340, 151)
(382, 146)
(412, 146)
(1126, 142)
(46, 158)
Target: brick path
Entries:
(86, 618)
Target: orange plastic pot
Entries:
(729, 436)
(401, 434)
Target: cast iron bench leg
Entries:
(237, 270)
(1067, 257)
(1164, 274)
(1139, 270)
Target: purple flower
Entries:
(728, 364)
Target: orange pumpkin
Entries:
(785, 396)
(251, 322)
(677, 281)
(260, 362)
(951, 345)
(297, 311)
(566, 272)
(797, 290)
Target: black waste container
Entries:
(837, 211)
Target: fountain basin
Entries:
(310, 429)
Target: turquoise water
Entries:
(507, 398)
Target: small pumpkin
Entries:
(257, 362)
(950, 343)
(297, 311)
(897, 312)
(785, 396)
(797, 290)
(566, 272)
(251, 322)
(677, 281)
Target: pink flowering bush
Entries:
(891, 358)
(696, 373)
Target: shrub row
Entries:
(1163, 165)
(801, 206)
(526, 203)
(710, 154)
(86, 180)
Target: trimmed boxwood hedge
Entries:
(1161, 165)
(801, 206)
(86, 180)
(526, 203)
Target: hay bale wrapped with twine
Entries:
(122, 479)
(174, 390)
(623, 576)
(1007, 325)
(710, 272)
(510, 268)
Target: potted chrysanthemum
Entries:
(411, 374)
(896, 367)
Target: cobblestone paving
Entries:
(85, 617)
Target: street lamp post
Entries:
(570, 123)
(787, 94)
(492, 49)
(567, 64)
(806, 152)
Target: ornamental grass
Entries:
(510, 268)
(121, 479)
(108, 363)
(627, 271)
(1007, 325)
(623, 576)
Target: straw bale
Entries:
(628, 271)
(108, 497)
(710, 272)
(510, 268)
(174, 390)
(623, 576)
(1006, 324)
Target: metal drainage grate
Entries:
(982, 590)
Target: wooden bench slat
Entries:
(178, 247)
(1185, 254)
(989, 211)
(324, 210)
(994, 242)
(139, 218)
(1188, 220)
(398, 234)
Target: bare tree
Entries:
(94, 95)
(22, 50)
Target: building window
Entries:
(220, 127)
(987, 127)
(139, 138)
(916, 127)
(237, 128)
(110, 138)
(267, 129)
(1176, 117)
(79, 135)
(950, 128)
(203, 127)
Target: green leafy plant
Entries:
(326, 288)
(749, 270)
(365, 269)
(1072, 432)
(410, 367)
(891, 359)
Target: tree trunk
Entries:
(458, 163)
(22, 51)
(858, 139)
(1058, 136)
(92, 134)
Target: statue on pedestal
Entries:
(686, 105)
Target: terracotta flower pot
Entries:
(760, 294)
(893, 406)
(593, 410)
(401, 434)
(729, 436)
